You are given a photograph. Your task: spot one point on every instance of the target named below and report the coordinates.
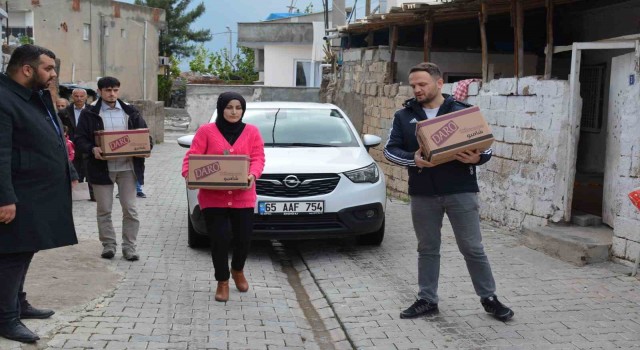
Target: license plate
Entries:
(291, 208)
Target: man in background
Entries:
(71, 117)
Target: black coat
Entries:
(68, 117)
(90, 122)
(34, 172)
(446, 178)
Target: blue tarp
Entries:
(283, 15)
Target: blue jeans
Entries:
(138, 187)
(427, 213)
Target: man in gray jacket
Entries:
(35, 182)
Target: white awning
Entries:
(3, 14)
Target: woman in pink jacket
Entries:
(229, 135)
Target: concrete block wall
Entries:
(153, 114)
(626, 225)
(529, 118)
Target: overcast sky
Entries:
(222, 13)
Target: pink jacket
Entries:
(209, 140)
(71, 149)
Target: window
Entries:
(294, 127)
(303, 76)
(86, 32)
(592, 93)
(303, 73)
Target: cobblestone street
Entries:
(331, 294)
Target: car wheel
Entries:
(194, 239)
(373, 238)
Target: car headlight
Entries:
(370, 173)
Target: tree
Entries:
(179, 40)
(237, 68)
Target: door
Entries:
(623, 142)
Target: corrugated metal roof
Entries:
(416, 13)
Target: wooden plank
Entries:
(517, 21)
(428, 38)
(394, 47)
(367, 8)
(483, 40)
(548, 61)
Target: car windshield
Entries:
(298, 127)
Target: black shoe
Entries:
(28, 311)
(108, 252)
(16, 330)
(141, 195)
(496, 308)
(420, 308)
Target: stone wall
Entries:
(523, 183)
(623, 156)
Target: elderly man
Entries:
(70, 118)
(35, 182)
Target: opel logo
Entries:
(291, 181)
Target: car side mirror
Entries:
(185, 141)
(371, 141)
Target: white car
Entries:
(319, 180)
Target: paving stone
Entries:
(165, 300)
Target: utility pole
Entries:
(230, 53)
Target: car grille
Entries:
(296, 222)
(300, 185)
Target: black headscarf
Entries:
(230, 131)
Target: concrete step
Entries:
(584, 219)
(575, 244)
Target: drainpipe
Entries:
(144, 63)
(103, 53)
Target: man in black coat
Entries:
(35, 182)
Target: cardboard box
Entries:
(443, 137)
(123, 143)
(218, 172)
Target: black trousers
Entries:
(223, 238)
(80, 162)
(13, 271)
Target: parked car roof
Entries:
(280, 104)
